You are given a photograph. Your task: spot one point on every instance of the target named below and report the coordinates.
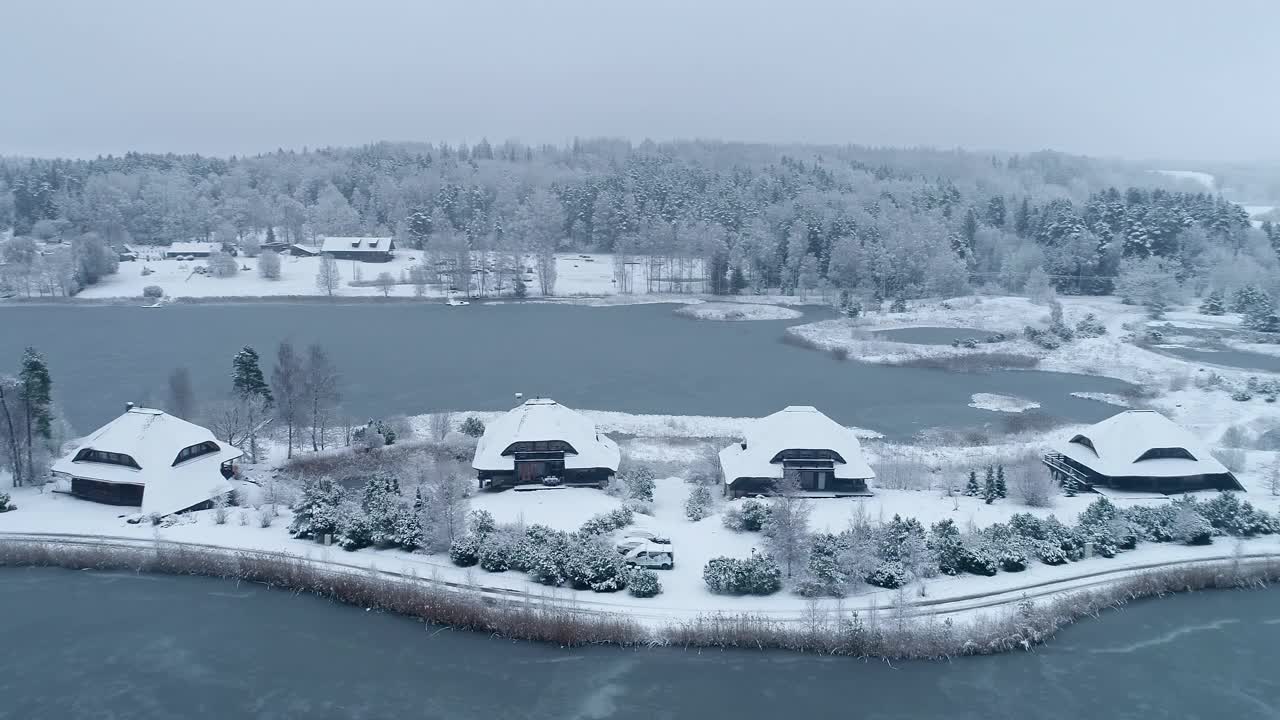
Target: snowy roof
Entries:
(153, 439)
(356, 244)
(184, 248)
(1116, 447)
(798, 427)
(542, 419)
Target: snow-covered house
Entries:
(190, 249)
(365, 249)
(544, 439)
(800, 442)
(1139, 450)
(151, 459)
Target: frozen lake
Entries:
(117, 645)
(407, 358)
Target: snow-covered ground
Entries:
(738, 311)
(1108, 398)
(1002, 403)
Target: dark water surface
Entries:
(113, 646)
(405, 358)
(1231, 358)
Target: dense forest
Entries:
(880, 222)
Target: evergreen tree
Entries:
(989, 492)
(384, 508)
(1247, 299)
(1002, 489)
(34, 390)
(1213, 304)
(316, 513)
(246, 375)
(996, 211)
(737, 280)
(969, 230)
(271, 234)
(972, 489)
(1022, 219)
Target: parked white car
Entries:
(637, 538)
(652, 556)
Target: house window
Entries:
(807, 454)
(195, 451)
(1082, 440)
(539, 446)
(106, 458)
(1166, 453)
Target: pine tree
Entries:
(316, 514)
(246, 375)
(972, 489)
(1213, 304)
(989, 492)
(271, 234)
(737, 280)
(1002, 490)
(34, 390)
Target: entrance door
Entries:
(822, 481)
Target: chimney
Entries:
(128, 406)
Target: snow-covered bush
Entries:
(496, 552)
(387, 512)
(267, 515)
(1228, 515)
(1190, 527)
(1090, 326)
(481, 523)
(698, 505)
(465, 551)
(608, 522)
(824, 573)
(1153, 523)
(537, 541)
(269, 266)
(1048, 552)
(316, 513)
(472, 427)
(1213, 304)
(153, 291)
(5, 504)
(977, 558)
(222, 265)
(748, 516)
(591, 564)
(888, 574)
(638, 482)
(1042, 338)
(220, 512)
(643, 583)
(944, 542)
(1012, 558)
(757, 575)
(354, 530)
(637, 506)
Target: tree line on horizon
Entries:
(885, 223)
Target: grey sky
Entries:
(1172, 79)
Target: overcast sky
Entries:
(1144, 79)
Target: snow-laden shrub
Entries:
(354, 529)
(824, 574)
(639, 483)
(5, 503)
(1090, 326)
(757, 575)
(536, 540)
(495, 553)
(465, 551)
(1154, 524)
(591, 564)
(546, 566)
(1013, 558)
(153, 291)
(1042, 338)
(480, 523)
(698, 505)
(978, 559)
(945, 544)
(1048, 552)
(472, 427)
(888, 574)
(316, 513)
(1230, 516)
(747, 516)
(1190, 527)
(643, 583)
(638, 506)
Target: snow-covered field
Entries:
(738, 311)
(576, 274)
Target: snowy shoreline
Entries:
(1025, 616)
